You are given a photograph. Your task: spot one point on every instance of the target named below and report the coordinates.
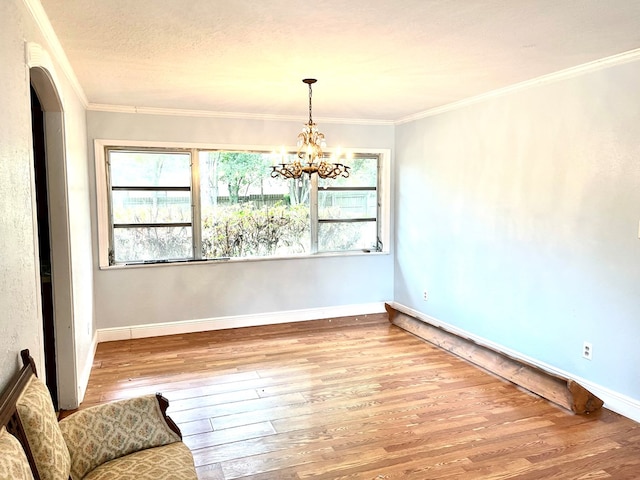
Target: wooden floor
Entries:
(356, 398)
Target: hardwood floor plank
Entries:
(356, 398)
(195, 427)
(229, 435)
(210, 472)
(211, 400)
(274, 446)
(236, 407)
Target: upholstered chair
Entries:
(13, 461)
(129, 439)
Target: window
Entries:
(245, 212)
(150, 205)
(184, 204)
(348, 208)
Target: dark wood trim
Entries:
(164, 404)
(8, 412)
(27, 361)
(555, 388)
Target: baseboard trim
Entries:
(85, 373)
(614, 401)
(238, 321)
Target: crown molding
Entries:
(619, 59)
(178, 112)
(41, 19)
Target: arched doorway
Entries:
(54, 185)
(44, 244)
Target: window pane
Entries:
(149, 169)
(363, 172)
(247, 213)
(347, 204)
(135, 206)
(347, 236)
(152, 243)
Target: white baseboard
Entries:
(85, 373)
(220, 323)
(614, 401)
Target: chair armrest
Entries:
(105, 432)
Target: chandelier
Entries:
(310, 157)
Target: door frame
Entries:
(43, 79)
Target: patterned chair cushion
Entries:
(112, 430)
(40, 424)
(170, 462)
(13, 461)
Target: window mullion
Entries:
(313, 206)
(379, 205)
(196, 208)
(111, 254)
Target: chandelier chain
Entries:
(310, 93)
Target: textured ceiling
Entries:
(374, 59)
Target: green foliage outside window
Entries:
(244, 231)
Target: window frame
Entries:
(103, 200)
(195, 220)
(316, 221)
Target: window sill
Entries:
(355, 253)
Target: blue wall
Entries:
(519, 214)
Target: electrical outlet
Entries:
(425, 295)
(587, 350)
